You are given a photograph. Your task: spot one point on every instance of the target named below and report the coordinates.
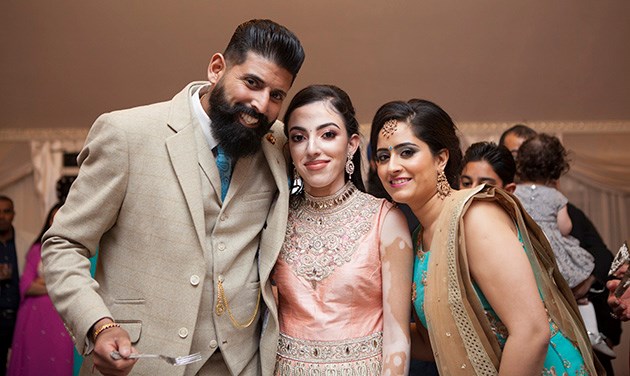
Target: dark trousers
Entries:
(7, 325)
(421, 368)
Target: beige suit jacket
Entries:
(138, 199)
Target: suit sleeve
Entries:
(90, 210)
(584, 231)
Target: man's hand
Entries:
(619, 305)
(112, 339)
(6, 271)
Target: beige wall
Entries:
(64, 62)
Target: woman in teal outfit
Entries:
(486, 288)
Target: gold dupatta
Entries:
(461, 337)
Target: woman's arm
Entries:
(37, 287)
(31, 283)
(500, 267)
(397, 266)
(564, 221)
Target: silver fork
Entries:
(178, 361)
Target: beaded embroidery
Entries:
(330, 351)
(357, 356)
(318, 240)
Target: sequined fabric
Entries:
(319, 240)
(329, 285)
(357, 356)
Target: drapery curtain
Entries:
(602, 173)
(47, 159)
(16, 163)
(599, 180)
(30, 164)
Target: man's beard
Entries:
(236, 139)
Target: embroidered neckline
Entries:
(318, 241)
(336, 199)
(420, 252)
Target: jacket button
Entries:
(213, 344)
(194, 280)
(223, 217)
(221, 246)
(183, 332)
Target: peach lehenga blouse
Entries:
(330, 288)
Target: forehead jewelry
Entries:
(389, 128)
(390, 148)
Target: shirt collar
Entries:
(202, 116)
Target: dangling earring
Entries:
(443, 188)
(349, 166)
(298, 184)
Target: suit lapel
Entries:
(208, 163)
(183, 152)
(279, 215)
(240, 175)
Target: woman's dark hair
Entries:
(341, 103)
(497, 156)
(48, 221)
(429, 123)
(269, 40)
(542, 159)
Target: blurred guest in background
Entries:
(41, 344)
(540, 161)
(589, 238)
(513, 137)
(13, 247)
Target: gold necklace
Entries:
(331, 201)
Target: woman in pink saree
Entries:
(41, 344)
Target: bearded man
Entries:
(186, 202)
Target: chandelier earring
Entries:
(297, 186)
(443, 188)
(349, 166)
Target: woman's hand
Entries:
(37, 287)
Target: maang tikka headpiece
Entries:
(389, 128)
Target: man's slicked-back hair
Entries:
(6, 198)
(519, 130)
(269, 40)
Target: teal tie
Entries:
(224, 164)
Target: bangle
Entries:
(104, 327)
